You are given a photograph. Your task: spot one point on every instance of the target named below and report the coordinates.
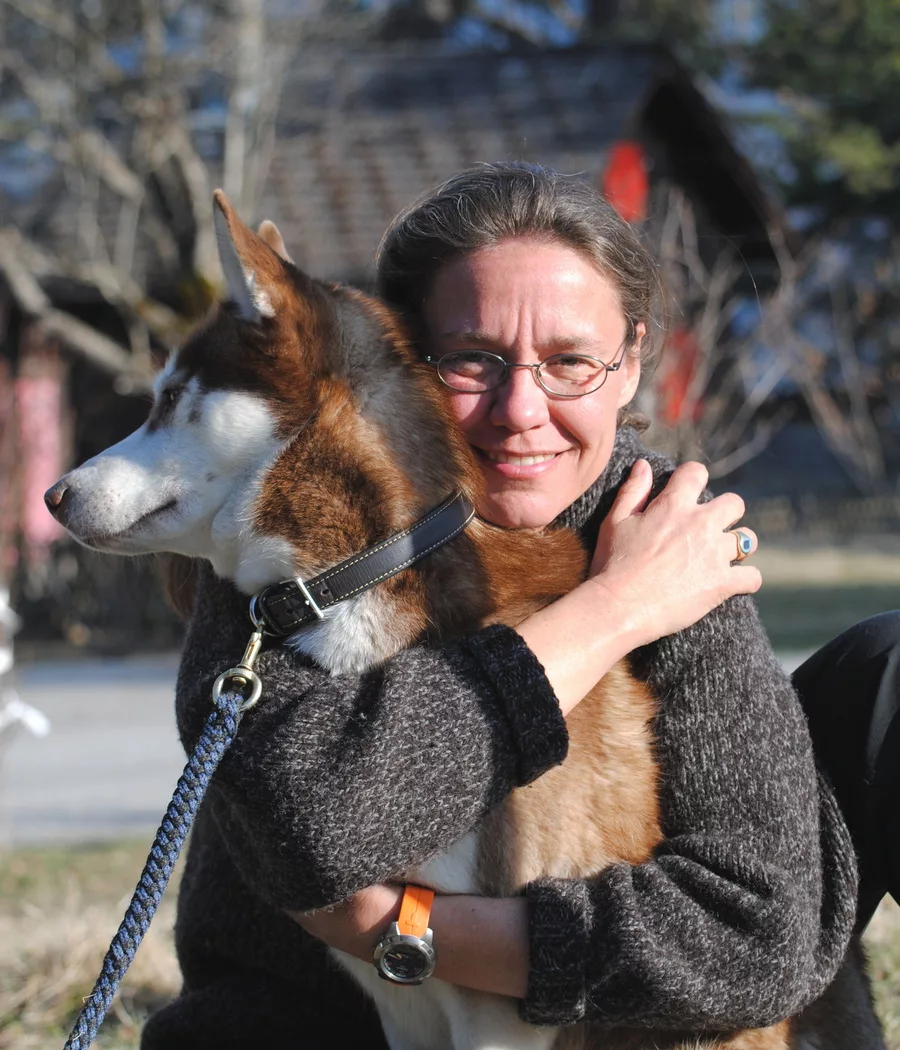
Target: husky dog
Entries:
(296, 428)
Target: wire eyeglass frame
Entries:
(535, 369)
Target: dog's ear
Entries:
(270, 233)
(250, 268)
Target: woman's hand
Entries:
(480, 942)
(669, 562)
(658, 567)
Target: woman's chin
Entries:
(518, 511)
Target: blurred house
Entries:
(69, 387)
(358, 135)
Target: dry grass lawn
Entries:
(811, 593)
(883, 947)
(59, 908)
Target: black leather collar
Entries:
(285, 607)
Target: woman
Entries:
(744, 914)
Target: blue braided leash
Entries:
(218, 733)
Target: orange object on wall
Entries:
(673, 378)
(625, 182)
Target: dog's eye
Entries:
(168, 397)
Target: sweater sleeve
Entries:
(337, 782)
(745, 910)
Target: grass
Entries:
(793, 624)
(58, 911)
(883, 948)
(59, 908)
(810, 594)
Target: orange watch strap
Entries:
(415, 910)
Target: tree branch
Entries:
(78, 337)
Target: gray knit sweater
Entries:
(741, 917)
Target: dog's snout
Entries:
(55, 499)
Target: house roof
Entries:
(359, 135)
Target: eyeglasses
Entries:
(562, 375)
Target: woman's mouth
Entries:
(517, 460)
(519, 466)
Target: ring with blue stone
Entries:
(744, 543)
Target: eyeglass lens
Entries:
(475, 371)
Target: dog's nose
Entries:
(55, 499)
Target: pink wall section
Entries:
(39, 401)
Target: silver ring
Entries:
(744, 543)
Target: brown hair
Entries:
(491, 202)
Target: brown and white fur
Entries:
(297, 427)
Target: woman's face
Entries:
(525, 299)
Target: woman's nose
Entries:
(520, 404)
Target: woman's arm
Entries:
(483, 941)
(334, 783)
(741, 917)
(745, 911)
(338, 782)
(743, 914)
(658, 567)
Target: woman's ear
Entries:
(631, 366)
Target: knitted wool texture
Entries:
(741, 918)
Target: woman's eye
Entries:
(571, 365)
(469, 362)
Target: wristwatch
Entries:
(405, 954)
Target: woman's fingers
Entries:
(634, 493)
(630, 501)
(740, 543)
(728, 508)
(745, 579)
(686, 484)
(673, 560)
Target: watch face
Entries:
(404, 962)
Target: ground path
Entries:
(110, 761)
(109, 764)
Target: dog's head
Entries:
(279, 413)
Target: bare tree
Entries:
(811, 320)
(718, 371)
(104, 103)
(730, 350)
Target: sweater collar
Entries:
(583, 512)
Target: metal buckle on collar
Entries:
(258, 617)
(308, 598)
